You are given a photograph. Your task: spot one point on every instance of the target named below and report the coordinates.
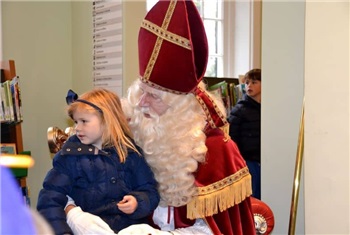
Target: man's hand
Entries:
(85, 223)
(128, 205)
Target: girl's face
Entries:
(253, 87)
(88, 128)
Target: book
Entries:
(8, 148)
(3, 111)
(221, 89)
(8, 101)
(232, 94)
(16, 98)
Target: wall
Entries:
(305, 46)
(327, 165)
(282, 95)
(38, 35)
(133, 14)
(82, 46)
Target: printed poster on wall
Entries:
(108, 45)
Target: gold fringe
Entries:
(221, 195)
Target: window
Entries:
(212, 14)
(151, 3)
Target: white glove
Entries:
(85, 223)
(142, 229)
(69, 202)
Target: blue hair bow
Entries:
(73, 97)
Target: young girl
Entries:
(100, 168)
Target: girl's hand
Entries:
(128, 205)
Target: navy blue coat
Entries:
(97, 183)
(244, 122)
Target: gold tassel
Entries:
(234, 189)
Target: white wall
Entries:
(37, 35)
(327, 165)
(282, 95)
(306, 47)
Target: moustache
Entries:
(149, 112)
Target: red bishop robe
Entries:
(223, 190)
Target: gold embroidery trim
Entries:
(220, 195)
(159, 41)
(166, 35)
(162, 88)
(223, 183)
(206, 110)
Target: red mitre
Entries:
(173, 53)
(173, 47)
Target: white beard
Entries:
(173, 145)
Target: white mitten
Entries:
(69, 202)
(142, 229)
(85, 223)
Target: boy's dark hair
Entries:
(254, 74)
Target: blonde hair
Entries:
(116, 133)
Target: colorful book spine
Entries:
(9, 102)
(16, 98)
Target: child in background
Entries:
(245, 126)
(100, 168)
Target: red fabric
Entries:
(237, 220)
(215, 117)
(234, 221)
(223, 159)
(180, 218)
(176, 69)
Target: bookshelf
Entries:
(229, 89)
(11, 133)
(213, 80)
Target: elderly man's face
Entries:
(151, 101)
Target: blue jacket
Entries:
(96, 183)
(244, 122)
